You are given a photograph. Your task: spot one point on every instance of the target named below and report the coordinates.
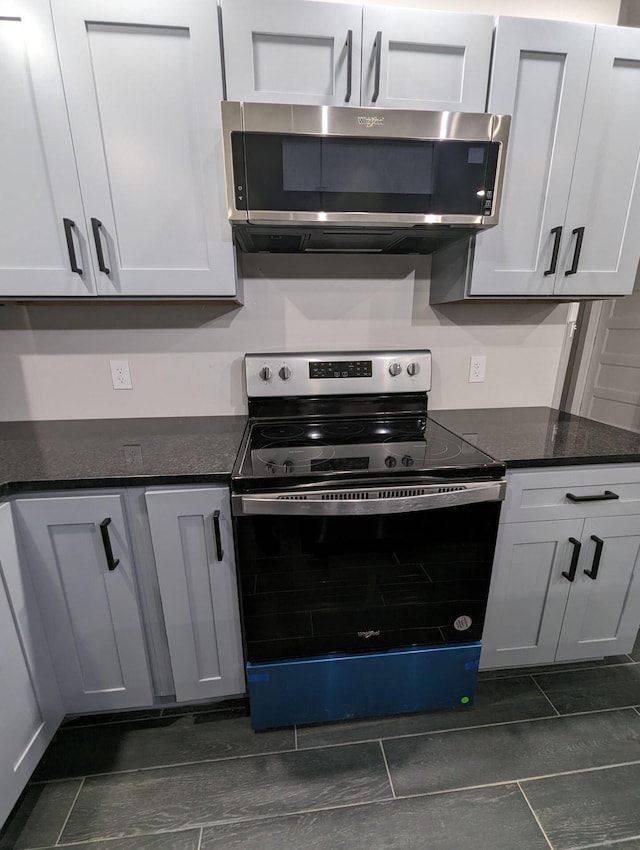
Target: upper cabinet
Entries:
(570, 207)
(302, 51)
(119, 192)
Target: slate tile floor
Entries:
(545, 759)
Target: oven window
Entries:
(342, 174)
(311, 586)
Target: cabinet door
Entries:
(38, 175)
(603, 613)
(539, 77)
(528, 592)
(143, 83)
(605, 195)
(288, 51)
(193, 546)
(419, 59)
(30, 706)
(90, 611)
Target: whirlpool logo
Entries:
(370, 120)
(371, 633)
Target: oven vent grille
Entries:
(401, 494)
(293, 498)
(329, 497)
(451, 489)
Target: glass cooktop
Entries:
(378, 445)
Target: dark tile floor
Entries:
(545, 759)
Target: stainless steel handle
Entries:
(366, 501)
(349, 45)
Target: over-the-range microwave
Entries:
(344, 179)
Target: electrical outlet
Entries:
(477, 365)
(120, 375)
(133, 457)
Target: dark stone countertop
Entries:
(541, 436)
(51, 455)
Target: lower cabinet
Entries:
(30, 705)
(193, 546)
(565, 589)
(79, 557)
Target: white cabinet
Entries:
(302, 51)
(41, 204)
(30, 706)
(571, 205)
(193, 545)
(79, 557)
(135, 184)
(568, 588)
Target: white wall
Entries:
(186, 359)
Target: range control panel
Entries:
(337, 373)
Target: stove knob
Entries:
(285, 373)
(413, 369)
(395, 369)
(390, 462)
(270, 467)
(265, 374)
(288, 466)
(407, 461)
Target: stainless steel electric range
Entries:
(365, 535)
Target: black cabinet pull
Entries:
(96, 224)
(106, 542)
(347, 96)
(607, 496)
(69, 224)
(579, 231)
(216, 534)
(573, 566)
(557, 232)
(593, 572)
(377, 46)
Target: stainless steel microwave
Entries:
(344, 179)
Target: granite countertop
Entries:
(541, 436)
(202, 449)
(118, 452)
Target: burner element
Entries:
(285, 431)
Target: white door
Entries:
(287, 51)
(30, 706)
(539, 77)
(42, 230)
(603, 611)
(604, 205)
(89, 603)
(193, 546)
(612, 388)
(421, 59)
(528, 592)
(143, 83)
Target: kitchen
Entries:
(186, 359)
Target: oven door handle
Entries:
(367, 501)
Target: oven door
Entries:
(346, 614)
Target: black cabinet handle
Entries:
(607, 496)
(579, 232)
(347, 96)
(557, 232)
(106, 542)
(573, 566)
(96, 224)
(377, 46)
(593, 572)
(69, 224)
(216, 534)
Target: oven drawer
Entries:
(570, 492)
(286, 693)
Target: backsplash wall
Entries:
(186, 358)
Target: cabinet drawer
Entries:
(542, 495)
